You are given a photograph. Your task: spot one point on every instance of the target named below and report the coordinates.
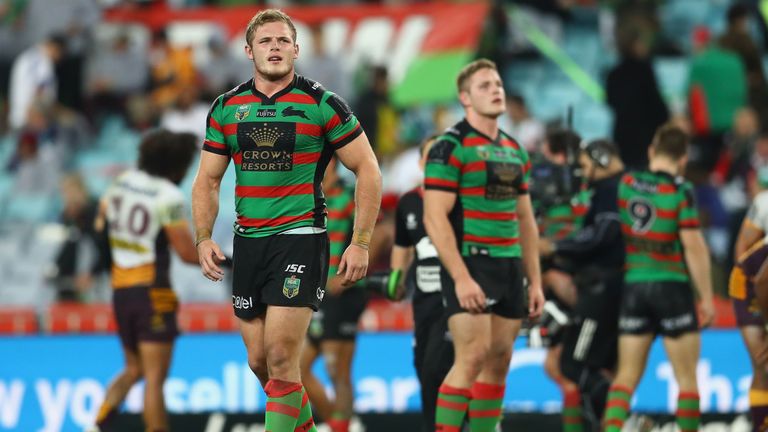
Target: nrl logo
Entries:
(291, 287)
(242, 112)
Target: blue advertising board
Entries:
(55, 383)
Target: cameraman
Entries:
(561, 200)
(597, 251)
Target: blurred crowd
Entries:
(62, 82)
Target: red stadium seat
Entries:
(80, 318)
(384, 315)
(18, 321)
(207, 317)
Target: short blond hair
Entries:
(470, 69)
(268, 16)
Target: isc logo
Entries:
(295, 268)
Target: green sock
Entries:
(305, 423)
(283, 405)
(617, 408)
(485, 407)
(688, 413)
(451, 407)
(572, 411)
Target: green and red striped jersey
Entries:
(487, 175)
(341, 215)
(561, 220)
(280, 146)
(654, 207)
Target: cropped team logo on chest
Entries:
(291, 286)
(242, 112)
(490, 152)
(266, 146)
(504, 179)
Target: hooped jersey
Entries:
(280, 146)
(753, 259)
(341, 217)
(562, 220)
(654, 207)
(138, 208)
(487, 175)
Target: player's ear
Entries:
(249, 51)
(464, 98)
(295, 51)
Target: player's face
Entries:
(485, 93)
(273, 50)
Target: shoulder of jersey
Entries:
(169, 187)
(762, 197)
(512, 139)
(456, 131)
(311, 87)
(683, 183)
(235, 91)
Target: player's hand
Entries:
(353, 265)
(399, 292)
(471, 296)
(535, 301)
(335, 285)
(707, 312)
(210, 256)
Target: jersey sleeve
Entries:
(172, 209)
(402, 238)
(758, 212)
(214, 132)
(340, 126)
(444, 162)
(688, 216)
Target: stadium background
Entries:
(395, 62)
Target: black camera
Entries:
(554, 184)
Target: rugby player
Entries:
(479, 217)
(280, 130)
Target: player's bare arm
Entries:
(749, 234)
(180, 239)
(205, 207)
(358, 156)
(697, 259)
(437, 206)
(529, 238)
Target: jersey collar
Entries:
(265, 100)
(464, 126)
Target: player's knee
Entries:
(473, 361)
(331, 366)
(279, 358)
(133, 373)
(551, 367)
(759, 378)
(258, 365)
